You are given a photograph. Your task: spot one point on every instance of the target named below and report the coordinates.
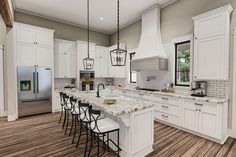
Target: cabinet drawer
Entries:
(166, 100)
(167, 117)
(167, 108)
(207, 107)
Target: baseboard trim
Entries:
(231, 134)
(11, 118)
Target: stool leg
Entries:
(86, 146)
(75, 128)
(118, 142)
(64, 122)
(91, 144)
(72, 124)
(98, 147)
(81, 127)
(67, 122)
(61, 114)
(108, 148)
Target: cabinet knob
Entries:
(196, 109)
(200, 110)
(195, 37)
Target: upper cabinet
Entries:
(211, 44)
(101, 61)
(65, 59)
(34, 45)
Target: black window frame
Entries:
(131, 55)
(176, 62)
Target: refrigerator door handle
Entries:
(37, 82)
(33, 82)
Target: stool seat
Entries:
(104, 125)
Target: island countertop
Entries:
(123, 105)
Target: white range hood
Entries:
(150, 54)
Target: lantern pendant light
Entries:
(118, 55)
(88, 62)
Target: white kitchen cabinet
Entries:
(211, 44)
(34, 45)
(82, 52)
(60, 65)
(206, 118)
(25, 54)
(65, 59)
(190, 117)
(101, 61)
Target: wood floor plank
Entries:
(195, 148)
(204, 149)
(185, 147)
(232, 152)
(226, 147)
(214, 150)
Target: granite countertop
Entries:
(177, 95)
(123, 105)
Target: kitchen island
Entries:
(135, 117)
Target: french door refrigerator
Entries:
(34, 85)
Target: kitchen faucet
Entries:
(103, 86)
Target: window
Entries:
(132, 75)
(182, 63)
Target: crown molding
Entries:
(61, 21)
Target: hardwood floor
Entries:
(42, 136)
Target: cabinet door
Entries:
(72, 49)
(210, 61)
(60, 65)
(210, 26)
(189, 117)
(25, 35)
(71, 69)
(25, 54)
(43, 38)
(43, 55)
(209, 122)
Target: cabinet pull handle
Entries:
(164, 116)
(164, 98)
(164, 106)
(198, 104)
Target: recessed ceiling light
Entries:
(101, 18)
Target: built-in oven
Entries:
(86, 80)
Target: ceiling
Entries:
(74, 11)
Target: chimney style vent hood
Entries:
(150, 54)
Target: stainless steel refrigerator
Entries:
(34, 90)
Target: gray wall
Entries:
(62, 30)
(176, 20)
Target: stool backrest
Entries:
(66, 99)
(84, 111)
(94, 116)
(61, 98)
(74, 103)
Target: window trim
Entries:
(176, 62)
(130, 71)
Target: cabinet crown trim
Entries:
(227, 8)
(17, 24)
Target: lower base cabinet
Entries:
(202, 118)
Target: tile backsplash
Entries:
(61, 82)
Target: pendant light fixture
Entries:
(118, 55)
(88, 62)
